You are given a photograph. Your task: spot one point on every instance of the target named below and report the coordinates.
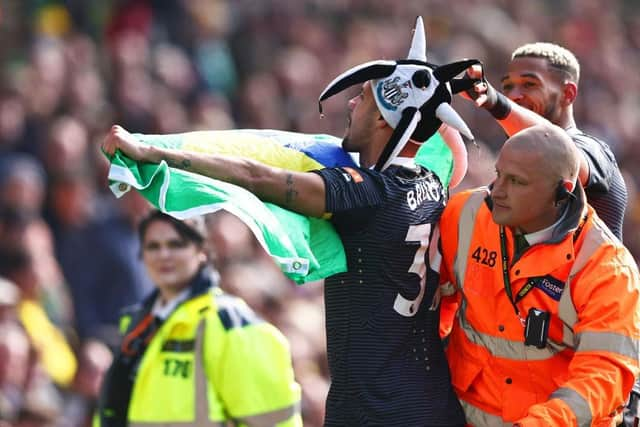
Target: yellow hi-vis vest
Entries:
(214, 361)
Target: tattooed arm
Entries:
(301, 192)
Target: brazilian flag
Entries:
(305, 248)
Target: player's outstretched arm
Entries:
(302, 192)
(510, 116)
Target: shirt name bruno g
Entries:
(424, 190)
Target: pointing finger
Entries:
(480, 87)
(474, 72)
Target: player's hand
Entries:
(482, 93)
(119, 138)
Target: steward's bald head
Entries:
(557, 154)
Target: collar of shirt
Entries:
(407, 162)
(163, 310)
(544, 234)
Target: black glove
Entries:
(496, 103)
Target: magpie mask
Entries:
(412, 95)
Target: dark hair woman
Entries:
(191, 354)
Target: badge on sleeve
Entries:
(352, 174)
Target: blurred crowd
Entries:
(69, 256)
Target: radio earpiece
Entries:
(562, 193)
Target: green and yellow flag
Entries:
(305, 248)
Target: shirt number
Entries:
(177, 368)
(417, 233)
(484, 256)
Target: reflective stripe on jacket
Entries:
(214, 361)
(589, 286)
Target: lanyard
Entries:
(505, 278)
(530, 284)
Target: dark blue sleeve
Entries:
(350, 189)
(602, 162)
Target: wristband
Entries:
(502, 107)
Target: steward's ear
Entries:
(202, 257)
(568, 185)
(569, 93)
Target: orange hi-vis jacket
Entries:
(588, 282)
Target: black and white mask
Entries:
(412, 95)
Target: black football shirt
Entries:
(386, 359)
(606, 190)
